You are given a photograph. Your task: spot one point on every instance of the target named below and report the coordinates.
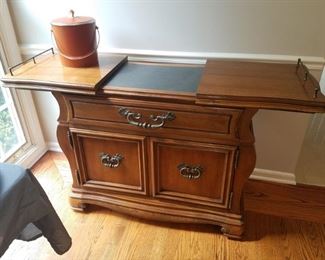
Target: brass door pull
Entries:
(132, 118)
(189, 171)
(111, 161)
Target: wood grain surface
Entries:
(216, 165)
(103, 234)
(258, 85)
(294, 201)
(48, 74)
(128, 176)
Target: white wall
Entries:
(280, 30)
(268, 27)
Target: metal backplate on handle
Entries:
(111, 161)
(133, 117)
(190, 171)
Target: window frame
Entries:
(10, 106)
(35, 145)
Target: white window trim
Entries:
(23, 99)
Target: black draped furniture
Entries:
(26, 212)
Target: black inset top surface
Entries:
(182, 78)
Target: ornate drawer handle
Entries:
(189, 171)
(111, 161)
(132, 118)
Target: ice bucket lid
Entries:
(72, 20)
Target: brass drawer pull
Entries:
(132, 118)
(189, 171)
(111, 161)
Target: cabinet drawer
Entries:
(160, 117)
(110, 161)
(192, 172)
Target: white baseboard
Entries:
(53, 146)
(313, 62)
(32, 156)
(273, 176)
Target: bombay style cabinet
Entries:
(170, 142)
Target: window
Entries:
(21, 138)
(12, 137)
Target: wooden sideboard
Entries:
(170, 142)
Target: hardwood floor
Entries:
(103, 234)
(304, 202)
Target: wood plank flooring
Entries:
(304, 202)
(103, 234)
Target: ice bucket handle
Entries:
(57, 44)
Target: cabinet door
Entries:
(191, 172)
(109, 161)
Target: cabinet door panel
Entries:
(111, 161)
(192, 172)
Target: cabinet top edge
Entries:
(219, 82)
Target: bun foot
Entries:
(77, 205)
(232, 231)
